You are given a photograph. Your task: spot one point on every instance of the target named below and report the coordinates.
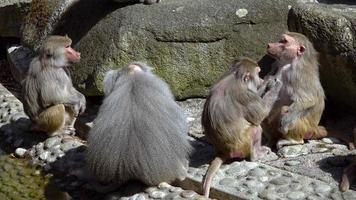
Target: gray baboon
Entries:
(140, 132)
(50, 100)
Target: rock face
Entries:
(190, 43)
(11, 15)
(331, 28)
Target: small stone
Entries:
(236, 171)
(228, 182)
(137, 197)
(188, 194)
(257, 172)
(17, 116)
(320, 150)
(255, 185)
(292, 162)
(39, 146)
(296, 195)
(51, 142)
(70, 145)
(263, 178)
(322, 188)
(292, 151)
(327, 141)
(175, 189)
(20, 152)
(280, 181)
(51, 159)
(249, 165)
(44, 155)
(241, 12)
(150, 190)
(164, 185)
(157, 195)
(4, 104)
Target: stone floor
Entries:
(309, 171)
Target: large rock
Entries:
(331, 28)
(12, 13)
(189, 42)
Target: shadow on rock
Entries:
(16, 134)
(88, 11)
(335, 166)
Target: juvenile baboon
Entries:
(140, 132)
(233, 113)
(50, 100)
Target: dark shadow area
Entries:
(335, 166)
(265, 64)
(83, 15)
(336, 119)
(16, 134)
(73, 179)
(203, 153)
(4, 43)
(349, 2)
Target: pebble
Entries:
(157, 195)
(52, 141)
(228, 182)
(236, 171)
(292, 162)
(324, 189)
(292, 151)
(296, 195)
(71, 144)
(44, 155)
(188, 194)
(17, 116)
(20, 152)
(280, 181)
(257, 172)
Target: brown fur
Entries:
(301, 97)
(232, 115)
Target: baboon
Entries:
(233, 113)
(296, 114)
(49, 98)
(140, 132)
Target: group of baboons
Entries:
(140, 132)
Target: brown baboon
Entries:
(140, 132)
(233, 113)
(50, 100)
(296, 114)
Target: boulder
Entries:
(331, 28)
(12, 13)
(43, 16)
(189, 43)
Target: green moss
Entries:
(17, 182)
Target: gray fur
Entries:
(140, 131)
(46, 84)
